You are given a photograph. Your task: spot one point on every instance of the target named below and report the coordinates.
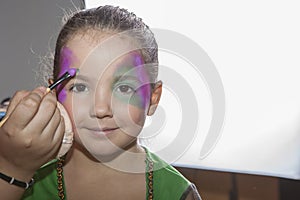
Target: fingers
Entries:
(60, 131)
(55, 140)
(36, 113)
(18, 96)
(24, 107)
(51, 124)
(58, 136)
(33, 131)
(47, 115)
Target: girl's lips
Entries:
(102, 131)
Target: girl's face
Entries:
(109, 99)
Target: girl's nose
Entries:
(102, 105)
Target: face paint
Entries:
(132, 84)
(65, 63)
(62, 95)
(144, 90)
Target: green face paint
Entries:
(131, 84)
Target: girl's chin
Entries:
(106, 155)
(101, 152)
(104, 150)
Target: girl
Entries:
(107, 103)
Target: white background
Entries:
(255, 47)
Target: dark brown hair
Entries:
(109, 19)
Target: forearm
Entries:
(10, 192)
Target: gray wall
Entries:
(28, 30)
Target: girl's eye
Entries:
(79, 87)
(125, 89)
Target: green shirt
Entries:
(168, 183)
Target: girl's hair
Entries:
(109, 19)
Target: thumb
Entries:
(18, 96)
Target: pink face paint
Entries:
(65, 63)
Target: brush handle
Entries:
(61, 79)
(3, 121)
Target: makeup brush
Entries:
(68, 74)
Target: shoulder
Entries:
(165, 170)
(46, 172)
(168, 183)
(191, 193)
(45, 183)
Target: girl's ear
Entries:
(155, 97)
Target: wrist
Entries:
(18, 173)
(13, 181)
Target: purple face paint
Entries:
(65, 63)
(144, 91)
(62, 95)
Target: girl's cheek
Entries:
(128, 113)
(137, 116)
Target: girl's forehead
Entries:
(104, 47)
(115, 53)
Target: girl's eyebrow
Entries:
(82, 77)
(126, 77)
(115, 80)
